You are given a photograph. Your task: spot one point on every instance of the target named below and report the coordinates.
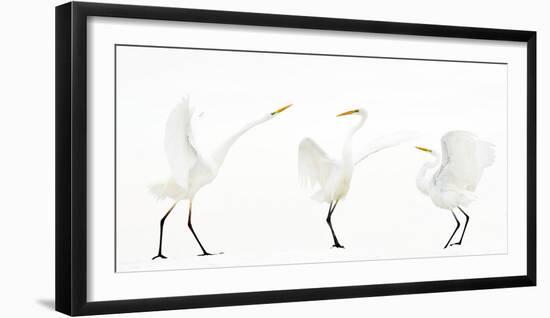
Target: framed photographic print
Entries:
(209, 158)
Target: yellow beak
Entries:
(280, 110)
(423, 149)
(349, 112)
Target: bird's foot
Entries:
(205, 254)
(209, 254)
(160, 255)
(337, 245)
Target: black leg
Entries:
(329, 221)
(204, 252)
(457, 226)
(465, 225)
(162, 230)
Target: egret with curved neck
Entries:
(191, 167)
(332, 176)
(450, 179)
(339, 186)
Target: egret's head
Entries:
(424, 149)
(280, 110)
(358, 111)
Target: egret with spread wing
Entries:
(192, 167)
(451, 178)
(332, 176)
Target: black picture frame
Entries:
(71, 157)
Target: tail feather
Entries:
(158, 190)
(163, 190)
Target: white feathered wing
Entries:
(464, 158)
(314, 166)
(180, 152)
(384, 142)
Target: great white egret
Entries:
(192, 167)
(452, 185)
(333, 176)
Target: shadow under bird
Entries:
(191, 167)
(451, 178)
(332, 176)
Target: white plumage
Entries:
(451, 178)
(331, 177)
(383, 142)
(316, 168)
(191, 167)
(189, 170)
(464, 159)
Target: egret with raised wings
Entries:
(191, 166)
(332, 176)
(451, 178)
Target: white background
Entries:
(27, 112)
(255, 210)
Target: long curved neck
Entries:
(423, 177)
(347, 150)
(219, 154)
